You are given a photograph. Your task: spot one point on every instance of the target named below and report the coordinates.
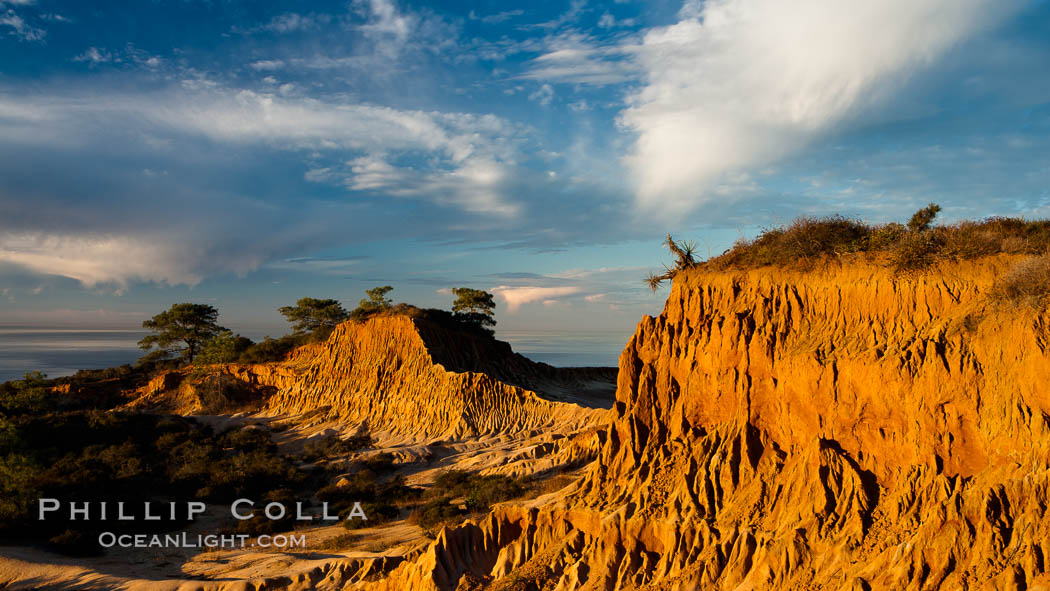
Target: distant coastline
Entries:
(60, 352)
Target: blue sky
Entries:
(247, 154)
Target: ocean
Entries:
(578, 349)
(59, 352)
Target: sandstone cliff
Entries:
(403, 377)
(842, 428)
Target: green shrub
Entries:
(330, 445)
(224, 347)
(435, 512)
(920, 221)
(366, 488)
(488, 490)
(451, 480)
(270, 350)
(30, 395)
(248, 439)
(378, 513)
(915, 251)
(479, 492)
(378, 464)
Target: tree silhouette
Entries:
(377, 299)
(310, 314)
(474, 307)
(189, 324)
(374, 303)
(921, 220)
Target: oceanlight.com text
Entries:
(210, 541)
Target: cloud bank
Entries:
(738, 84)
(517, 296)
(458, 161)
(94, 259)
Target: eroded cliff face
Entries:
(835, 429)
(400, 377)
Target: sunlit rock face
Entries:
(403, 378)
(840, 428)
(409, 377)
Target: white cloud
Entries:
(463, 151)
(499, 17)
(94, 55)
(737, 84)
(543, 95)
(474, 185)
(460, 161)
(246, 116)
(292, 22)
(266, 65)
(324, 265)
(576, 8)
(92, 260)
(577, 59)
(517, 296)
(389, 29)
(21, 28)
(373, 172)
(467, 158)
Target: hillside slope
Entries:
(843, 428)
(407, 378)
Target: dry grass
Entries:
(804, 240)
(807, 241)
(1026, 284)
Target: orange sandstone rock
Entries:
(842, 428)
(410, 379)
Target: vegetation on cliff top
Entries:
(189, 334)
(310, 315)
(181, 331)
(1027, 283)
(913, 247)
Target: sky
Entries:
(247, 154)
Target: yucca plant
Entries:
(684, 253)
